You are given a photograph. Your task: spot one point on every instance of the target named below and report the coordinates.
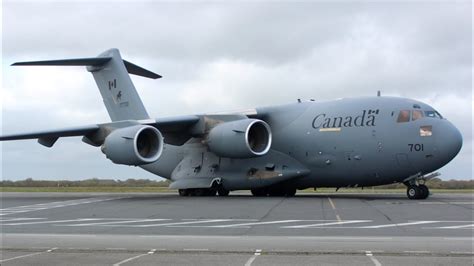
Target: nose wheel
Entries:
(418, 192)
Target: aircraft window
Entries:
(417, 114)
(426, 131)
(433, 114)
(403, 116)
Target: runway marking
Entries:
(398, 224)
(457, 226)
(325, 224)
(118, 222)
(372, 258)
(255, 223)
(333, 206)
(257, 253)
(28, 255)
(51, 205)
(136, 257)
(177, 223)
(57, 221)
(19, 219)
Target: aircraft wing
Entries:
(174, 130)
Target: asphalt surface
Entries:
(162, 228)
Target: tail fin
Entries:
(110, 73)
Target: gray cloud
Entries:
(216, 56)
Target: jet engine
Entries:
(240, 139)
(135, 145)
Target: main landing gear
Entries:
(418, 192)
(274, 192)
(204, 192)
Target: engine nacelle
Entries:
(135, 145)
(240, 139)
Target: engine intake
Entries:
(240, 139)
(135, 145)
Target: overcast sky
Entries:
(217, 57)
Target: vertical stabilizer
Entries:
(118, 92)
(110, 72)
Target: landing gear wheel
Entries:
(211, 192)
(425, 192)
(291, 192)
(183, 192)
(414, 192)
(222, 192)
(259, 192)
(199, 192)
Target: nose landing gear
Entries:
(416, 188)
(418, 192)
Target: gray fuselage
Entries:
(339, 143)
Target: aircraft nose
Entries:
(450, 142)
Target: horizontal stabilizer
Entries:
(94, 61)
(139, 71)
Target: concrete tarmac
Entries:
(163, 228)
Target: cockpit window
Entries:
(403, 116)
(417, 114)
(433, 114)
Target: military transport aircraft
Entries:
(271, 151)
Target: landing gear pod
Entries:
(135, 145)
(240, 139)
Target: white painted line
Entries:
(177, 223)
(51, 205)
(396, 225)
(118, 222)
(325, 224)
(23, 256)
(19, 219)
(28, 255)
(130, 259)
(257, 253)
(372, 258)
(256, 223)
(56, 221)
(457, 226)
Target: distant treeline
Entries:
(95, 182)
(440, 184)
